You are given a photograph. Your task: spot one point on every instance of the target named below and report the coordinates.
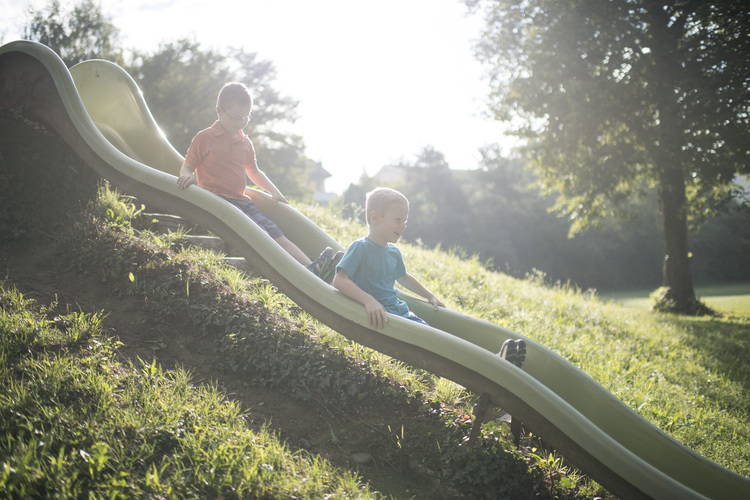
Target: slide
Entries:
(98, 110)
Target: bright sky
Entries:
(376, 80)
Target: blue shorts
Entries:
(248, 208)
(416, 318)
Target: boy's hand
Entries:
(376, 313)
(435, 302)
(184, 181)
(278, 197)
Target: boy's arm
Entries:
(413, 285)
(261, 180)
(376, 313)
(187, 175)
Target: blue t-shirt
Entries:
(375, 270)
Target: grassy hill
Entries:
(147, 368)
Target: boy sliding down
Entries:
(372, 265)
(220, 159)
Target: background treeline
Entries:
(498, 212)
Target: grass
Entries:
(728, 299)
(76, 423)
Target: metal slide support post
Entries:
(480, 412)
(515, 428)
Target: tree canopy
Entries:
(613, 95)
(77, 33)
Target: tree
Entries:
(612, 94)
(512, 224)
(180, 82)
(80, 33)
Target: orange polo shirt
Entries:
(221, 160)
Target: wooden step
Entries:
(208, 242)
(167, 222)
(239, 263)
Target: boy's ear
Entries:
(374, 216)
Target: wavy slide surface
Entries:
(99, 111)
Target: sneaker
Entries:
(513, 351)
(329, 269)
(319, 265)
(334, 262)
(508, 350)
(521, 352)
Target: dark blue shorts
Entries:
(248, 208)
(416, 318)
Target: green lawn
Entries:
(732, 299)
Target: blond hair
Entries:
(379, 199)
(234, 93)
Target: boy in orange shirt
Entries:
(219, 159)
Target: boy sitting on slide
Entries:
(219, 159)
(371, 266)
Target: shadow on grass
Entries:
(725, 345)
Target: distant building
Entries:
(391, 174)
(318, 179)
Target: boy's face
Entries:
(388, 226)
(234, 117)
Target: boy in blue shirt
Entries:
(371, 266)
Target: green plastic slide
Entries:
(98, 110)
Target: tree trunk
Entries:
(668, 156)
(676, 274)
